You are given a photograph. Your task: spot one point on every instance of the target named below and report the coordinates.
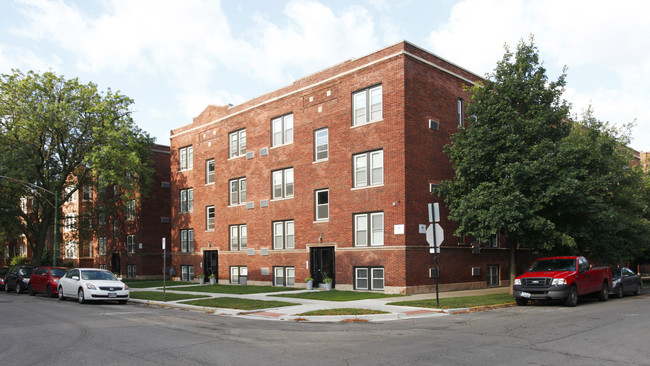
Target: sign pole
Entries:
(164, 268)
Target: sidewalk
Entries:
(305, 305)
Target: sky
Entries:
(174, 58)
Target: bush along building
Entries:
(329, 177)
(108, 230)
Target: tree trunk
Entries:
(513, 261)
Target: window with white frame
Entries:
(70, 222)
(282, 183)
(237, 143)
(103, 266)
(492, 275)
(367, 105)
(368, 168)
(209, 218)
(322, 204)
(460, 112)
(130, 210)
(321, 144)
(187, 240)
(23, 250)
(369, 229)
(73, 195)
(71, 249)
(130, 271)
(209, 171)
(238, 237)
(130, 243)
(116, 229)
(87, 192)
(284, 276)
(493, 241)
(369, 278)
(187, 200)
(101, 219)
(101, 246)
(186, 158)
(187, 273)
(86, 249)
(237, 191)
(282, 130)
(283, 235)
(238, 274)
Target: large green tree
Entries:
(60, 135)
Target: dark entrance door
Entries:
(210, 263)
(115, 263)
(322, 263)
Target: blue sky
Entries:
(176, 57)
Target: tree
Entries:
(61, 135)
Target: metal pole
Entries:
(435, 262)
(56, 210)
(164, 269)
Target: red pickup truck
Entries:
(562, 278)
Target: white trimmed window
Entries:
(460, 112)
(130, 210)
(321, 144)
(284, 276)
(73, 195)
(87, 192)
(187, 273)
(367, 105)
(492, 275)
(209, 218)
(282, 130)
(187, 240)
(369, 278)
(130, 271)
(282, 183)
(70, 222)
(238, 191)
(368, 168)
(101, 247)
(322, 204)
(186, 158)
(209, 171)
(116, 229)
(493, 241)
(369, 229)
(130, 243)
(283, 235)
(238, 237)
(237, 143)
(187, 200)
(71, 249)
(238, 274)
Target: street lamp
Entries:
(55, 205)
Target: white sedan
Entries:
(92, 284)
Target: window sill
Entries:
(237, 157)
(281, 199)
(277, 146)
(321, 221)
(237, 205)
(320, 161)
(367, 123)
(209, 184)
(209, 230)
(367, 187)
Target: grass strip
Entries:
(335, 295)
(158, 296)
(460, 302)
(342, 311)
(234, 289)
(154, 283)
(236, 303)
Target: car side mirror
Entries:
(76, 278)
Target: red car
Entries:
(3, 272)
(45, 280)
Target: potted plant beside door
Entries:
(201, 279)
(327, 281)
(212, 278)
(310, 283)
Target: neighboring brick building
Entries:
(330, 175)
(127, 242)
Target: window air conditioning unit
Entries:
(476, 271)
(250, 205)
(433, 272)
(250, 155)
(434, 125)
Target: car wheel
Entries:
(19, 288)
(29, 289)
(639, 290)
(80, 296)
(48, 291)
(521, 302)
(619, 292)
(603, 295)
(572, 299)
(60, 291)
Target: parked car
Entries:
(45, 280)
(3, 272)
(562, 278)
(17, 278)
(88, 284)
(625, 281)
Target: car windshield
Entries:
(26, 271)
(553, 265)
(97, 275)
(58, 272)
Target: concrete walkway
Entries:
(305, 305)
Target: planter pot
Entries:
(213, 281)
(310, 285)
(201, 281)
(328, 286)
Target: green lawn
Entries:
(154, 283)
(158, 296)
(460, 302)
(335, 295)
(343, 311)
(234, 289)
(235, 303)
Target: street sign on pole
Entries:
(435, 236)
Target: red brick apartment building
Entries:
(329, 176)
(129, 242)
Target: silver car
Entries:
(89, 284)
